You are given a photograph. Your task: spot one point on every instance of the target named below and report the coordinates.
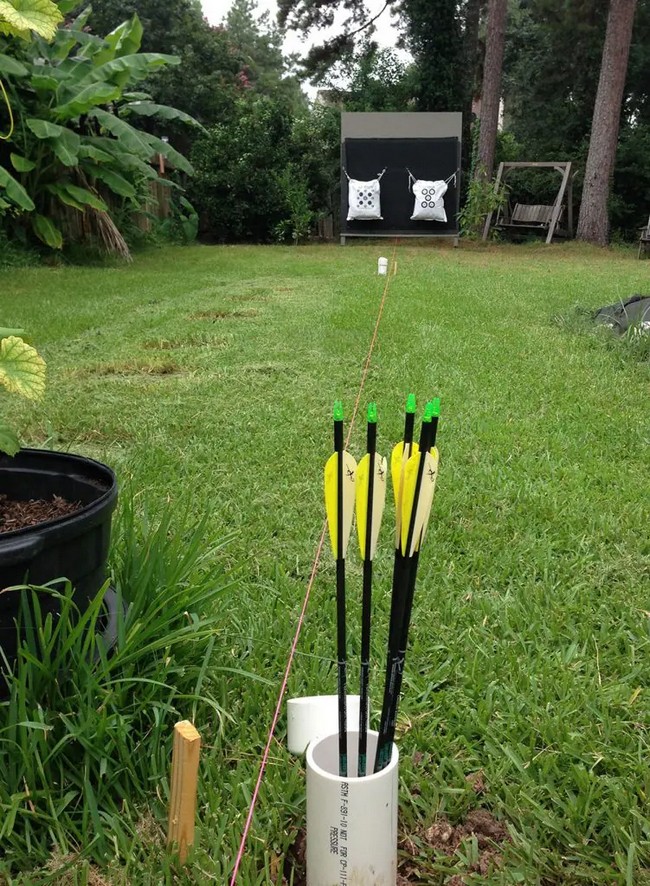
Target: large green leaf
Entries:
(61, 194)
(21, 164)
(45, 82)
(124, 40)
(43, 128)
(9, 442)
(66, 147)
(90, 152)
(126, 160)
(80, 198)
(15, 191)
(89, 97)
(129, 68)
(64, 142)
(171, 154)
(40, 16)
(115, 182)
(164, 112)
(11, 67)
(130, 139)
(47, 231)
(22, 369)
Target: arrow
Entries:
(371, 498)
(418, 485)
(340, 474)
(398, 461)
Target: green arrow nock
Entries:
(338, 410)
(372, 413)
(436, 407)
(410, 403)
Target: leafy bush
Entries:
(238, 163)
(265, 174)
(298, 223)
(481, 200)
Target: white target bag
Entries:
(429, 200)
(363, 199)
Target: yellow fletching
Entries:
(363, 478)
(425, 499)
(408, 493)
(378, 501)
(430, 477)
(331, 486)
(397, 466)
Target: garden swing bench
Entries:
(537, 218)
(644, 240)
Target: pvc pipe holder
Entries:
(382, 266)
(351, 821)
(314, 716)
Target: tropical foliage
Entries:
(75, 138)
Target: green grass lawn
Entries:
(206, 376)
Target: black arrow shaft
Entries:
(366, 604)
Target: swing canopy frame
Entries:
(534, 217)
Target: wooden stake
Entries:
(184, 780)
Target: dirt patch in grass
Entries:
(201, 339)
(93, 436)
(130, 367)
(224, 315)
(444, 838)
(418, 849)
(67, 870)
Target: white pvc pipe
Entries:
(382, 266)
(315, 716)
(351, 822)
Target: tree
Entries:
(375, 80)
(167, 27)
(356, 24)
(593, 222)
(207, 82)
(259, 45)
(434, 35)
(491, 88)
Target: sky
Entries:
(216, 10)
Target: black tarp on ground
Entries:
(622, 315)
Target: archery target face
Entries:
(363, 199)
(429, 200)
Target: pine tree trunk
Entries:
(491, 91)
(593, 223)
(470, 53)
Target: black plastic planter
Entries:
(73, 547)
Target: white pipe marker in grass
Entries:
(314, 716)
(382, 266)
(351, 821)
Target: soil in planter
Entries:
(20, 514)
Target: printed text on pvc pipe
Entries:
(339, 836)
